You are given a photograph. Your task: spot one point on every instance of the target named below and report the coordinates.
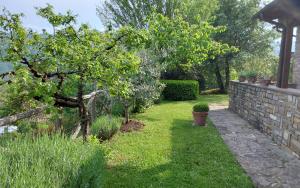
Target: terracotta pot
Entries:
(252, 80)
(264, 82)
(242, 78)
(200, 118)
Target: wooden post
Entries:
(281, 58)
(287, 56)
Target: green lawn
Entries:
(170, 152)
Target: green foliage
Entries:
(265, 65)
(243, 74)
(50, 162)
(251, 74)
(50, 64)
(201, 107)
(136, 12)
(176, 42)
(180, 90)
(105, 127)
(35, 128)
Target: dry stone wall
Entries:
(274, 111)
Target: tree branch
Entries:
(12, 119)
(31, 68)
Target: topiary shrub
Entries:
(106, 127)
(180, 90)
(201, 107)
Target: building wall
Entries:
(272, 110)
(296, 73)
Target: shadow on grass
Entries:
(171, 174)
(216, 99)
(198, 158)
(90, 173)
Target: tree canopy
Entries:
(137, 12)
(56, 69)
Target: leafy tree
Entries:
(195, 10)
(250, 36)
(176, 43)
(137, 12)
(145, 85)
(57, 69)
(134, 12)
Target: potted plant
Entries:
(252, 77)
(265, 81)
(242, 76)
(200, 113)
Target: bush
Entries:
(105, 127)
(49, 162)
(251, 74)
(243, 74)
(201, 107)
(180, 90)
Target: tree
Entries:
(137, 12)
(145, 86)
(57, 69)
(249, 36)
(134, 12)
(177, 43)
(195, 10)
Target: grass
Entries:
(170, 152)
(49, 162)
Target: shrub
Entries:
(243, 74)
(46, 161)
(180, 90)
(252, 74)
(201, 107)
(105, 127)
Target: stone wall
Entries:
(272, 110)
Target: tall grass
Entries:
(106, 127)
(49, 162)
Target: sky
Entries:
(85, 9)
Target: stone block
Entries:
(295, 145)
(290, 98)
(273, 117)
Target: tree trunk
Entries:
(219, 78)
(83, 113)
(227, 73)
(76, 131)
(14, 118)
(126, 111)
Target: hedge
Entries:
(180, 90)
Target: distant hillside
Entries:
(5, 67)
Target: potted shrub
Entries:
(242, 76)
(265, 81)
(252, 77)
(200, 112)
